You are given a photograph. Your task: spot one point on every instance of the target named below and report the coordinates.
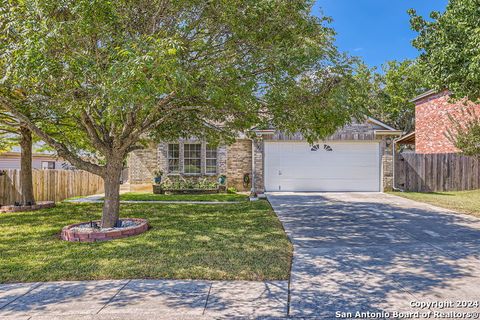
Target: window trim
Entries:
(173, 158)
(210, 158)
(200, 158)
(182, 159)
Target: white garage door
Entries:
(330, 166)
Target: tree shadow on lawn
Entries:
(184, 242)
(372, 256)
(366, 256)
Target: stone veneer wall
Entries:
(353, 131)
(235, 160)
(239, 162)
(163, 160)
(386, 165)
(259, 165)
(142, 164)
(432, 120)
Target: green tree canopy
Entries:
(8, 134)
(450, 48)
(387, 93)
(117, 72)
(465, 134)
(400, 82)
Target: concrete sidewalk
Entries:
(143, 299)
(98, 198)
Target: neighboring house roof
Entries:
(12, 160)
(381, 124)
(38, 148)
(426, 94)
(37, 155)
(406, 139)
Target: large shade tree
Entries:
(450, 50)
(400, 82)
(12, 133)
(7, 132)
(449, 46)
(391, 92)
(123, 71)
(387, 93)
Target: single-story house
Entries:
(432, 120)
(40, 160)
(357, 157)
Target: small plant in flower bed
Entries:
(232, 190)
(182, 184)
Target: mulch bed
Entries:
(37, 206)
(90, 232)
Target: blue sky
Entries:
(376, 30)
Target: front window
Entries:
(192, 155)
(210, 160)
(173, 158)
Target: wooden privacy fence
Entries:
(436, 172)
(53, 185)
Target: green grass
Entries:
(242, 241)
(216, 197)
(461, 201)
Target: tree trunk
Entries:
(111, 205)
(26, 166)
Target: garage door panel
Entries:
(350, 166)
(361, 174)
(327, 186)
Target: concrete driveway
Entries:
(372, 252)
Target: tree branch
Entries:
(152, 116)
(92, 132)
(128, 126)
(62, 149)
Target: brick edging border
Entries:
(72, 236)
(37, 206)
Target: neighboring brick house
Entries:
(432, 120)
(356, 158)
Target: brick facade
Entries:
(239, 163)
(432, 121)
(142, 165)
(259, 164)
(387, 164)
(236, 160)
(70, 234)
(353, 131)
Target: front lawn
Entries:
(216, 197)
(461, 201)
(239, 242)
